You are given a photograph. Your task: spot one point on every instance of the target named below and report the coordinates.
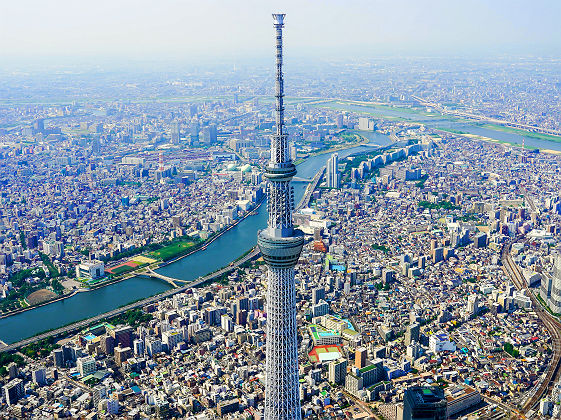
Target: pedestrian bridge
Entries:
(173, 281)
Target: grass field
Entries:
(122, 269)
(174, 250)
(525, 133)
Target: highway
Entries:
(310, 189)
(83, 324)
(551, 323)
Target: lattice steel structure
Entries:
(281, 245)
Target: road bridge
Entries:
(254, 252)
(298, 179)
(305, 201)
(485, 119)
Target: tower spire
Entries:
(281, 245)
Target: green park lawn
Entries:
(174, 250)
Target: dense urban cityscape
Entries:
(376, 240)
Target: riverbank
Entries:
(492, 140)
(197, 248)
(334, 149)
(525, 133)
(225, 249)
(30, 307)
(217, 235)
(140, 271)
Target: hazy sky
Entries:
(179, 29)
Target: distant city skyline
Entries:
(172, 30)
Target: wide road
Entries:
(551, 323)
(82, 324)
(310, 189)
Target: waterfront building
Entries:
(90, 270)
(332, 176)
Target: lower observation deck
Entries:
(280, 252)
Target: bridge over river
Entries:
(254, 252)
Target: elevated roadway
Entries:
(84, 323)
(305, 201)
(482, 118)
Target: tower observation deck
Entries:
(281, 245)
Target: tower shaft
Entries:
(280, 245)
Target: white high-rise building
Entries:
(138, 347)
(86, 365)
(226, 323)
(555, 298)
(333, 178)
(171, 338)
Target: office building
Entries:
(360, 357)
(366, 124)
(337, 371)
(86, 365)
(171, 338)
(138, 347)
(13, 391)
(555, 297)
(175, 132)
(153, 346)
(122, 354)
(90, 270)
(412, 333)
(318, 294)
(39, 376)
(12, 370)
(107, 344)
(122, 336)
(423, 403)
(209, 135)
(58, 357)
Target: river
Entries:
(225, 249)
(437, 121)
(218, 254)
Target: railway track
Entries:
(551, 323)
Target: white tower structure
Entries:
(281, 245)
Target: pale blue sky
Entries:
(177, 29)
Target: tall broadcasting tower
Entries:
(281, 245)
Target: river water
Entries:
(438, 122)
(225, 249)
(218, 254)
